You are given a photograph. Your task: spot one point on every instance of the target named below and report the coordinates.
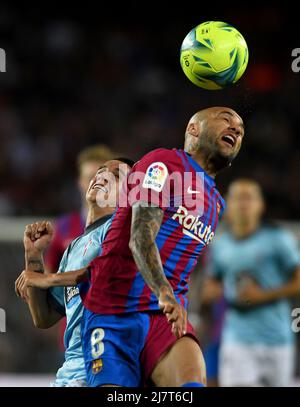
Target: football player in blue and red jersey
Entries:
(135, 325)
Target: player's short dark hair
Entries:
(126, 160)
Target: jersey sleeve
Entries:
(149, 181)
(287, 251)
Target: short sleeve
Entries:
(148, 181)
(287, 251)
(153, 178)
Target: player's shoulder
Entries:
(277, 231)
(169, 158)
(161, 153)
(222, 238)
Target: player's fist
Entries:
(37, 236)
(175, 313)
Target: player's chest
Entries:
(83, 252)
(253, 255)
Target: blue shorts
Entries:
(112, 345)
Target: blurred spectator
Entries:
(257, 268)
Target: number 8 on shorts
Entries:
(97, 346)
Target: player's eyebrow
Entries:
(232, 115)
(102, 167)
(119, 171)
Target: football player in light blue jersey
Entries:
(48, 306)
(257, 267)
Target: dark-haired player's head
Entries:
(245, 203)
(215, 134)
(104, 187)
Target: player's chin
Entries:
(91, 196)
(227, 154)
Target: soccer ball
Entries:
(214, 55)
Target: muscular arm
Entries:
(33, 282)
(288, 290)
(146, 222)
(42, 313)
(253, 294)
(29, 278)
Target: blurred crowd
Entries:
(71, 83)
(74, 82)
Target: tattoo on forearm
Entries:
(35, 265)
(146, 222)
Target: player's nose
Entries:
(236, 126)
(236, 129)
(102, 178)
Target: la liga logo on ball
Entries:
(214, 55)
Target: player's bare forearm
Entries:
(253, 294)
(43, 315)
(43, 281)
(288, 290)
(145, 225)
(68, 279)
(34, 261)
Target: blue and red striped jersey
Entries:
(172, 180)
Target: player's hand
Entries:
(30, 279)
(37, 236)
(251, 294)
(175, 313)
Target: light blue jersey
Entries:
(269, 256)
(67, 301)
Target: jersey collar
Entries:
(97, 223)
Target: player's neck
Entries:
(206, 163)
(95, 213)
(242, 230)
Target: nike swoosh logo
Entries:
(190, 191)
(186, 232)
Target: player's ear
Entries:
(193, 129)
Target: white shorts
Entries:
(256, 365)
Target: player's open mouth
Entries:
(229, 139)
(100, 188)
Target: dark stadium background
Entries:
(84, 74)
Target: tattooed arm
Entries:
(146, 222)
(37, 237)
